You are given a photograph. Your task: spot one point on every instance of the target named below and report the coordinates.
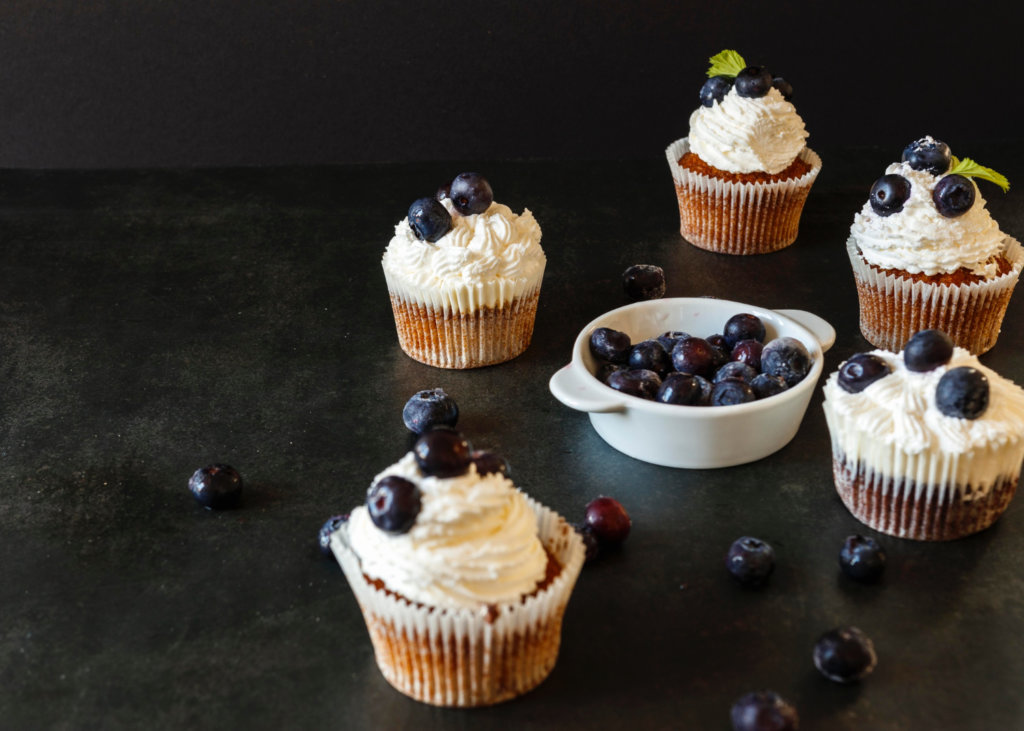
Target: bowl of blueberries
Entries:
(695, 382)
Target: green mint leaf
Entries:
(726, 63)
(970, 169)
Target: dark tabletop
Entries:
(152, 322)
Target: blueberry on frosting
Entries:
(860, 371)
(927, 154)
(927, 350)
(962, 393)
(393, 503)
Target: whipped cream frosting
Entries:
(486, 260)
(894, 427)
(920, 240)
(742, 135)
(474, 541)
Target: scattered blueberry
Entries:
(953, 195)
(962, 393)
(743, 326)
(442, 452)
(429, 408)
(845, 655)
(332, 524)
(735, 369)
(488, 463)
(731, 391)
(429, 220)
(927, 350)
(681, 389)
(651, 355)
(861, 370)
(591, 545)
(471, 193)
(644, 282)
(217, 486)
(928, 154)
(753, 82)
(640, 382)
(694, 356)
(714, 90)
(786, 357)
(669, 339)
(785, 88)
(750, 560)
(749, 352)
(610, 345)
(763, 710)
(888, 194)
(862, 558)
(764, 385)
(393, 503)
(609, 521)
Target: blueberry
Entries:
(730, 392)
(681, 389)
(735, 369)
(669, 339)
(786, 357)
(888, 194)
(609, 521)
(651, 355)
(489, 463)
(393, 503)
(927, 154)
(430, 408)
(743, 326)
(763, 710)
(718, 341)
(750, 560)
(753, 82)
(217, 486)
(785, 88)
(861, 370)
(443, 192)
(429, 220)
(606, 369)
(953, 195)
(644, 282)
(610, 345)
(694, 356)
(591, 545)
(764, 385)
(962, 393)
(442, 452)
(749, 352)
(636, 382)
(714, 90)
(862, 558)
(471, 193)
(328, 528)
(845, 655)
(927, 350)
(706, 387)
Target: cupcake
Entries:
(926, 444)
(926, 254)
(464, 275)
(462, 579)
(743, 172)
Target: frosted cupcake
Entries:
(743, 173)
(464, 274)
(461, 578)
(927, 254)
(926, 444)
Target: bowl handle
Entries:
(825, 333)
(579, 391)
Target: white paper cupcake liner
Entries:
(469, 657)
(731, 217)
(893, 308)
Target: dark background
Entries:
(144, 84)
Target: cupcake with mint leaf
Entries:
(743, 172)
(926, 253)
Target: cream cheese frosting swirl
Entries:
(474, 542)
(920, 240)
(744, 135)
(486, 260)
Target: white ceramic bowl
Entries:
(696, 437)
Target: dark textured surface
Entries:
(153, 322)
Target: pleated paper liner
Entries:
(732, 217)
(469, 657)
(893, 308)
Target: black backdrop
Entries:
(243, 82)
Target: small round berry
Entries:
(669, 339)
(743, 326)
(489, 463)
(681, 389)
(764, 710)
(429, 220)
(764, 385)
(444, 192)
(714, 90)
(927, 350)
(694, 356)
(862, 558)
(749, 352)
(786, 357)
(962, 393)
(750, 560)
(845, 655)
(953, 195)
(471, 193)
(606, 369)
(442, 452)
(651, 355)
(785, 88)
(591, 545)
(861, 370)
(610, 345)
(718, 341)
(753, 82)
(638, 382)
(393, 503)
(735, 369)
(888, 194)
(928, 154)
(731, 392)
(327, 530)
(217, 486)
(429, 408)
(644, 282)
(609, 521)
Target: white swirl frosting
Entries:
(486, 260)
(920, 240)
(474, 542)
(743, 135)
